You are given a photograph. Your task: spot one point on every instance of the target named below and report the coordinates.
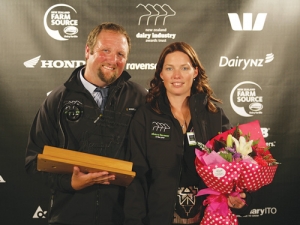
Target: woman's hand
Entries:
(237, 202)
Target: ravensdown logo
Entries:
(140, 66)
(244, 63)
(236, 24)
(156, 11)
(31, 63)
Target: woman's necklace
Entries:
(183, 125)
(183, 119)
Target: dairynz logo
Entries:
(39, 213)
(246, 94)
(31, 63)
(236, 24)
(156, 12)
(61, 21)
(244, 63)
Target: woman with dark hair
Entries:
(180, 110)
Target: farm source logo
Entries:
(246, 94)
(31, 63)
(245, 63)
(60, 20)
(153, 15)
(236, 24)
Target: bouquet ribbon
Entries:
(216, 201)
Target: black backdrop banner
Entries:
(250, 50)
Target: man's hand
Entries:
(237, 202)
(82, 180)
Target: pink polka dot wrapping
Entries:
(230, 177)
(220, 177)
(254, 176)
(214, 218)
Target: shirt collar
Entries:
(90, 87)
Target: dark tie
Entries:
(100, 96)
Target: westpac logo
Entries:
(156, 12)
(248, 25)
(31, 63)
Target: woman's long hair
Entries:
(199, 85)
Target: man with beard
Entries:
(91, 113)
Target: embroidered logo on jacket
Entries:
(72, 110)
(160, 130)
(186, 198)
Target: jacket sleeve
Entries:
(225, 121)
(43, 132)
(135, 206)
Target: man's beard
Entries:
(107, 80)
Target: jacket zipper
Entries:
(95, 121)
(114, 90)
(180, 172)
(65, 141)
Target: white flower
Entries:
(229, 140)
(242, 146)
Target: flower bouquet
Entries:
(235, 161)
